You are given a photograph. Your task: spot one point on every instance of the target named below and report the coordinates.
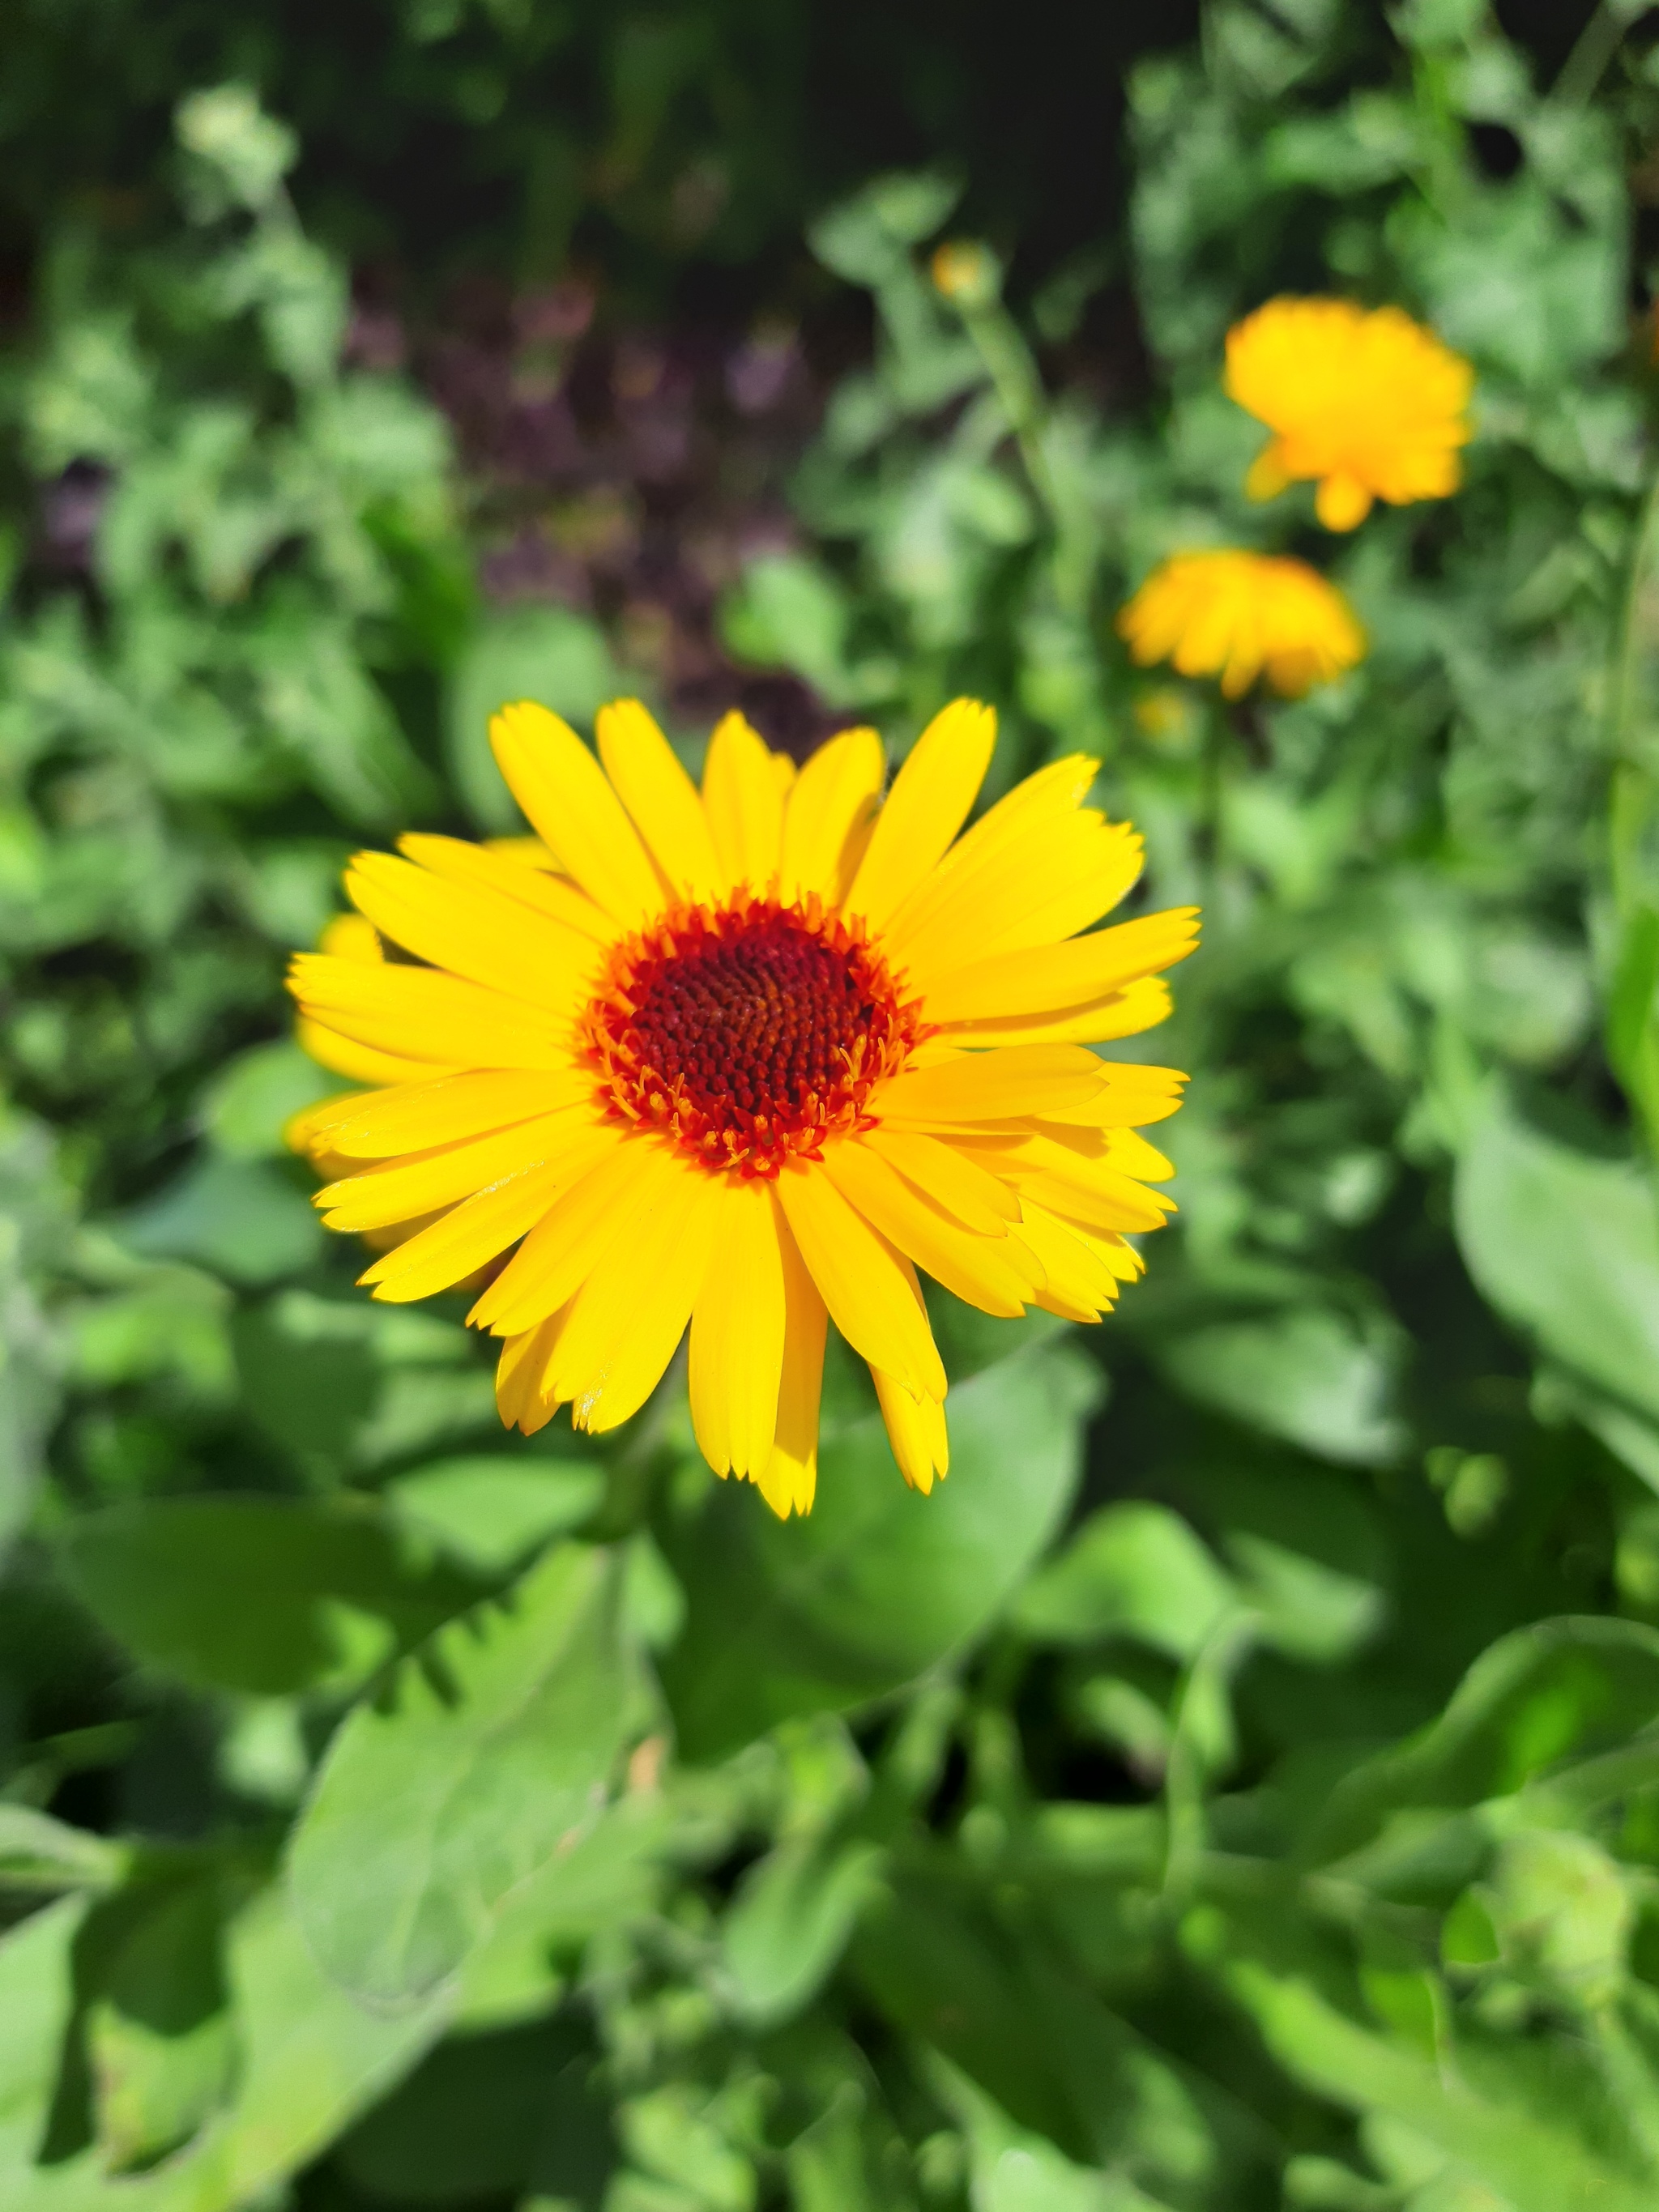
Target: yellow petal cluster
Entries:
(1366, 403)
(1238, 616)
(602, 1201)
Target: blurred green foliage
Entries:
(1239, 1786)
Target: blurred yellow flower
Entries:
(1367, 402)
(963, 272)
(1235, 614)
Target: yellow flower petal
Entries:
(345, 1055)
(1052, 876)
(473, 932)
(412, 1117)
(1049, 978)
(520, 1373)
(630, 1314)
(1236, 616)
(565, 794)
(737, 1334)
(1137, 1007)
(993, 1273)
(551, 1264)
(869, 1291)
(916, 1432)
(992, 1086)
(429, 1180)
(832, 799)
(1130, 1093)
(789, 1478)
(417, 1014)
(1365, 401)
(501, 870)
(1079, 1283)
(930, 798)
(660, 796)
(466, 1238)
(952, 1181)
(745, 804)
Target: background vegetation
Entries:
(1239, 1786)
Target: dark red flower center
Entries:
(749, 1032)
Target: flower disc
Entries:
(749, 1033)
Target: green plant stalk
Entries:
(1001, 346)
(1593, 50)
(1633, 801)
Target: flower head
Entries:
(744, 1058)
(1367, 402)
(1235, 614)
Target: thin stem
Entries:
(1631, 794)
(1594, 48)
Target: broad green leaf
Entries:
(261, 1594)
(993, 1996)
(244, 1219)
(1133, 1569)
(878, 1583)
(344, 1383)
(548, 653)
(1559, 1689)
(1306, 1375)
(1565, 1244)
(610, 1877)
(311, 2059)
(1015, 2170)
(488, 1752)
(36, 1993)
(37, 1852)
(790, 1920)
(159, 2034)
(1532, 2159)
(489, 1512)
(508, 2114)
(253, 1096)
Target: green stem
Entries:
(1001, 347)
(1594, 48)
(1632, 802)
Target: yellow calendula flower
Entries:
(1239, 615)
(744, 1058)
(1367, 403)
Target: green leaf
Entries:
(489, 1512)
(311, 2059)
(790, 1920)
(1565, 1244)
(509, 2114)
(242, 1218)
(1307, 1375)
(158, 2034)
(488, 1752)
(1534, 2159)
(788, 611)
(37, 1852)
(878, 1583)
(264, 1596)
(549, 653)
(245, 1106)
(1631, 1002)
(1561, 1689)
(36, 1994)
(344, 1383)
(1133, 1570)
(865, 238)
